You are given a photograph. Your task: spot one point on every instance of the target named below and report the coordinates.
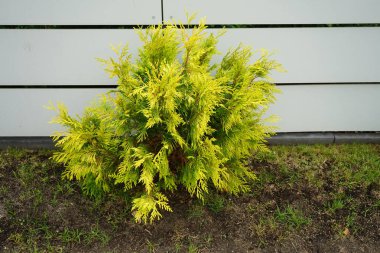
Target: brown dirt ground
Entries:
(248, 223)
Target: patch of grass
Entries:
(177, 247)
(351, 222)
(333, 206)
(193, 248)
(71, 235)
(150, 246)
(76, 236)
(291, 217)
(95, 234)
(348, 165)
(16, 153)
(348, 226)
(265, 229)
(196, 210)
(208, 239)
(376, 205)
(3, 190)
(34, 238)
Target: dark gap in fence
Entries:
(73, 27)
(162, 12)
(213, 26)
(328, 83)
(234, 26)
(113, 86)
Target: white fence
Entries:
(332, 83)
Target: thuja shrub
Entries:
(176, 119)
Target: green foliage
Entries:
(175, 119)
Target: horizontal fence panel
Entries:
(275, 11)
(310, 55)
(316, 55)
(320, 108)
(82, 12)
(23, 111)
(301, 108)
(59, 57)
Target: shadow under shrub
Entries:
(175, 119)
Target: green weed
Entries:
(335, 205)
(151, 246)
(264, 228)
(351, 222)
(71, 235)
(177, 247)
(291, 217)
(193, 248)
(215, 203)
(96, 235)
(196, 211)
(16, 153)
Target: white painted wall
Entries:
(80, 12)
(301, 108)
(349, 56)
(276, 11)
(310, 55)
